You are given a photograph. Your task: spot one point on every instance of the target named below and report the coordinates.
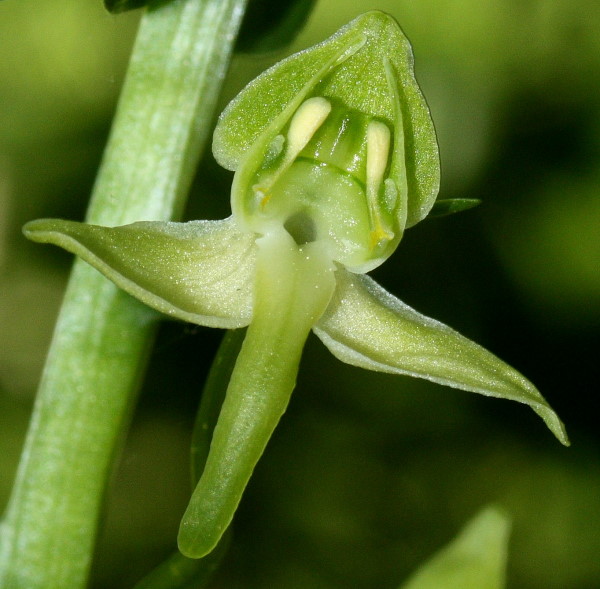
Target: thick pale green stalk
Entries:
(293, 287)
(100, 343)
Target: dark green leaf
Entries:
(271, 24)
(449, 206)
(117, 6)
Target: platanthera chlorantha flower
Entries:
(334, 155)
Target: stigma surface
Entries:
(323, 177)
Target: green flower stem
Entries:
(213, 395)
(178, 571)
(101, 341)
(293, 287)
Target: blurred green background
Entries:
(367, 474)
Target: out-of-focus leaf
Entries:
(271, 24)
(475, 559)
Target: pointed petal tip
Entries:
(33, 229)
(51, 230)
(554, 424)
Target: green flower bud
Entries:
(341, 149)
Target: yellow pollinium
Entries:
(304, 124)
(378, 149)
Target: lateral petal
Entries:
(199, 271)
(366, 326)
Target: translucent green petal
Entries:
(200, 271)
(368, 327)
(367, 66)
(475, 559)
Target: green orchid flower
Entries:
(335, 156)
